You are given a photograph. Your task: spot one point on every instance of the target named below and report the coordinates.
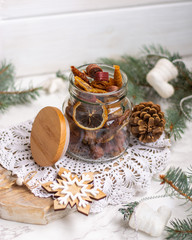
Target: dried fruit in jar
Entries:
(99, 119)
(83, 96)
(97, 151)
(119, 121)
(120, 139)
(92, 69)
(90, 117)
(108, 147)
(101, 76)
(108, 86)
(78, 73)
(90, 137)
(85, 86)
(79, 82)
(97, 90)
(117, 76)
(100, 85)
(112, 88)
(76, 134)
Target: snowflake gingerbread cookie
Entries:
(73, 190)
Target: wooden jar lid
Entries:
(49, 136)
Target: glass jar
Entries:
(98, 121)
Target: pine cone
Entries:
(147, 122)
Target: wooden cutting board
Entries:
(20, 205)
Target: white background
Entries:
(42, 36)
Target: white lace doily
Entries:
(119, 179)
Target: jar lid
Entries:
(49, 136)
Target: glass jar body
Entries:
(98, 121)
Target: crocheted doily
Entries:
(119, 179)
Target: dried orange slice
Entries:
(90, 117)
(82, 84)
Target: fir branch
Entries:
(3, 69)
(175, 122)
(128, 210)
(6, 75)
(17, 97)
(135, 93)
(184, 73)
(155, 50)
(158, 51)
(189, 173)
(180, 230)
(177, 181)
(9, 94)
(61, 75)
(31, 90)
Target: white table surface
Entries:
(109, 224)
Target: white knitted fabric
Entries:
(119, 179)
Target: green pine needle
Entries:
(175, 122)
(9, 94)
(6, 75)
(189, 173)
(61, 75)
(158, 51)
(180, 229)
(178, 183)
(128, 210)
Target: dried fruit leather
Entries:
(117, 76)
(101, 76)
(92, 69)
